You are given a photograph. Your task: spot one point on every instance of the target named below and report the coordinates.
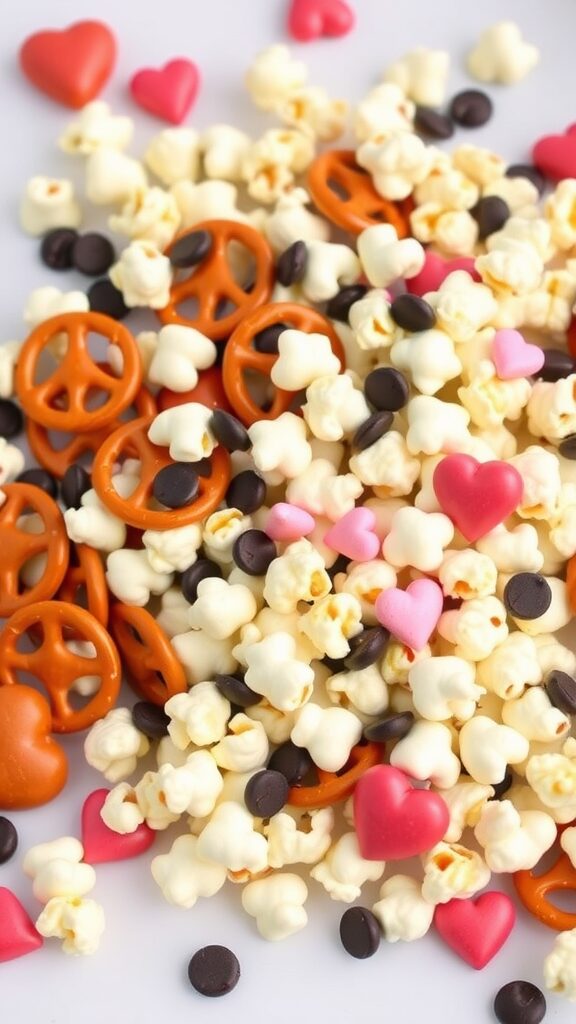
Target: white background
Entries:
(140, 972)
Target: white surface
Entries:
(140, 972)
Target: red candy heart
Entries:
(100, 843)
(555, 155)
(18, 935)
(435, 269)
(71, 65)
(168, 93)
(476, 929)
(477, 496)
(393, 819)
(310, 19)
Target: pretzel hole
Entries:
(189, 309)
(82, 691)
(242, 265)
(563, 899)
(47, 364)
(31, 572)
(339, 189)
(135, 634)
(96, 398)
(224, 307)
(260, 388)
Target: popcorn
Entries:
(150, 214)
(560, 965)
(297, 575)
(183, 876)
(502, 55)
(490, 400)
(429, 357)
(328, 734)
(224, 148)
(313, 112)
(465, 801)
(453, 231)
(444, 687)
(173, 550)
(193, 787)
(44, 303)
(364, 689)
(365, 580)
(273, 76)
(12, 461)
(244, 747)
(96, 126)
(403, 913)
(398, 660)
(397, 161)
(533, 715)
(467, 574)
(114, 745)
(452, 872)
(207, 200)
(331, 622)
(220, 608)
(512, 840)
(426, 754)
(221, 530)
(385, 258)
(199, 716)
(371, 322)
(112, 177)
(132, 579)
(511, 269)
(418, 539)
(562, 534)
(568, 843)
(290, 844)
(343, 871)
(80, 923)
(559, 613)
(422, 74)
(143, 275)
(277, 903)
(385, 108)
(201, 656)
(329, 267)
(150, 796)
(462, 306)
(479, 165)
(559, 208)
(174, 155)
(229, 839)
(274, 671)
(551, 408)
(476, 628)
(486, 749)
(511, 667)
(280, 445)
(387, 465)
(9, 352)
(291, 222)
(63, 878)
(435, 426)
(322, 492)
(49, 203)
(334, 407)
(303, 358)
(185, 431)
(540, 474)
(93, 524)
(513, 550)
(272, 161)
(553, 777)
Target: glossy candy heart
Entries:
(476, 496)
(18, 935)
(555, 155)
(514, 357)
(33, 767)
(71, 65)
(393, 819)
(102, 844)
(435, 269)
(353, 536)
(411, 615)
(476, 929)
(310, 19)
(169, 92)
(287, 522)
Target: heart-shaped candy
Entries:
(310, 19)
(18, 935)
(102, 844)
(514, 357)
(169, 92)
(411, 615)
(71, 65)
(435, 269)
(353, 536)
(476, 496)
(476, 929)
(393, 819)
(555, 155)
(287, 522)
(33, 767)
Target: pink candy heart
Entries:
(168, 92)
(100, 843)
(411, 615)
(555, 155)
(476, 496)
(353, 536)
(393, 819)
(514, 357)
(476, 929)
(287, 522)
(310, 19)
(18, 935)
(435, 269)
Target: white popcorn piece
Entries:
(229, 839)
(180, 352)
(540, 472)
(487, 748)
(93, 524)
(513, 840)
(94, 127)
(329, 267)
(199, 716)
(403, 913)
(173, 550)
(447, 186)
(79, 923)
(331, 622)
(280, 445)
(560, 965)
(467, 574)
(150, 214)
(511, 667)
(322, 492)
(551, 408)
(444, 687)
(480, 165)
(314, 112)
(397, 161)
(429, 357)
(114, 745)
(510, 269)
(132, 579)
(328, 734)
(387, 465)
(343, 871)
(272, 161)
(12, 461)
(334, 407)
(385, 258)
(273, 75)
(528, 230)
(422, 74)
(183, 876)
(563, 531)
(371, 321)
(143, 275)
(174, 155)
(476, 628)
(553, 655)
(9, 352)
(453, 872)
(201, 656)
(296, 575)
(185, 430)
(223, 149)
(207, 200)
(151, 799)
(221, 530)
(513, 550)
(67, 848)
(290, 221)
(426, 754)
(418, 539)
(193, 787)
(174, 608)
(49, 203)
(455, 232)
(435, 426)
(465, 801)
(303, 358)
(364, 689)
(276, 724)
(398, 660)
(120, 811)
(112, 177)
(245, 746)
(559, 613)
(43, 303)
(220, 609)
(559, 210)
(502, 55)
(274, 671)
(385, 108)
(365, 580)
(553, 777)
(288, 843)
(462, 306)
(277, 903)
(534, 716)
(63, 878)
(568, 843)
(167, 753)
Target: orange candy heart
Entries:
(33, 767)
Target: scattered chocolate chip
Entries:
(203, 569)
(412, 313)
(56, 248)
(176, 485)
(8, 840)
(567, 447)
(340, 565)
(39, 478)
(291, 761)
(190, 249)
(366, 647)
(471, 108)
(527, 595)
(75, 482)
(214, 971)
(520, 1002)
(432, 123)
(246, 492)
(291, 265)
(561, 689)
(490, 214)
(360, 932)
(229, 432)
(266, 793)
(500, 788)
(237, 691)
(150, 719)
(339, 305)
(372, 430)
(391, 727)
(93, 254)
(253, 551)
(203, 467)
(335, 665)
(557, 364)
(11, 419)
(105, 298)
(266, 341)
(527, 171)
(386, 389)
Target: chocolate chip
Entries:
(291, 761)
(291, 265)
(339, 305)
(412, 313)
(203, 467)
(557, 364)
(190, 249)
(500, 788)
(266, 341)
(340, 565)
(203, 569)
(246, 492)
(490, 214)
(8, 840)
(360, 932)
(75, 482)
(432, 123)
(253, 551)
(567, 447)
(214, 971)
(11, 418)
(372, 430)
(39, 478)
(150, 719)
(336, 665)
(390, 727)
(56, 248)
(176, 485)
(520, 1002)
(561, 689)
(386, 389)
(237, 691)
(527, 595)
(105, 298)
(471, 108)
(266, 793)
(93, 254)
(229, 432)
(527, 171)
(366, 647)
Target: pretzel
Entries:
(148, 656)
(17, 547)
(87, 573)
(533, 891)
(344, 193)
(335, 786)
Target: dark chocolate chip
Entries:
(386, 389)
(39, 478)
(527, 595)
(190, 249)
(8, 840)
(567, 447)
(266, 341)
(266, 793)
(203, 467)
(237, 691)
(93, 254)
(360, 932)
(372, 430)
(561, 689)
(291, 761)
(557, 364)
(246, 492)
(335, 665)
(203, 569)
(56, 248)
(75, 482)
(412, 313)
(471, 108)
(340, 565)
(432, 123)
(176, 485)
(366, 647)
(105, 298)
(291, 265)
(490, 214)
(520, 1002)
(527, 171)
(500, 788)
(339, 305)
(11, 418)
(229, 432)
(214, 971)
(150, 719)
(391, 727)
(253, 551)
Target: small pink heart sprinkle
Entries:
(435, 269)
(353, 536)
(513, 357)
(18, 935)
(102, 844)
(287, 522)
(168, 92)
(310, 19)
(476, 929)
(411, 615)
